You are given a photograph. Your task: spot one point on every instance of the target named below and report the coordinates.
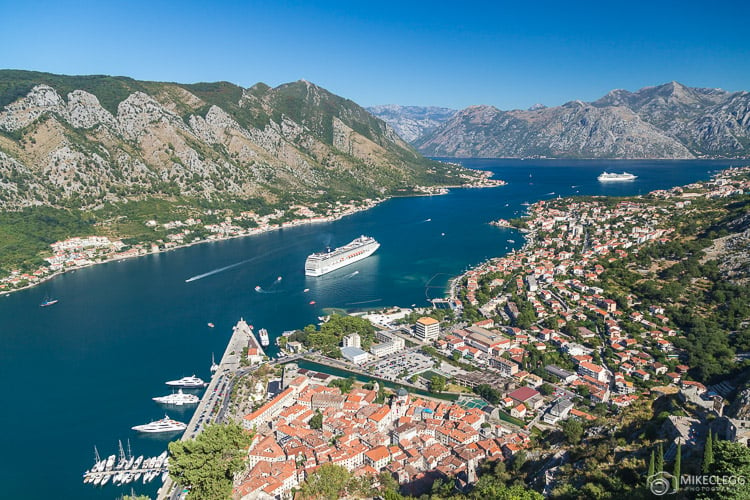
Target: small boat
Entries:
(48, 302)
(257, 288)
(511, 241)
(211, 325)
(442, 234)
(526, 204)
(306, 290)
(278, 279)
(312, 302)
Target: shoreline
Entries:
(290, 224)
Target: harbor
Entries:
(213, 404)
(126, 469)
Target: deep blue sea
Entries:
(82, 372)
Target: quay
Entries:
(214, 402)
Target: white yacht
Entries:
(263, 334)
(187, 382)
(607, 177)
(164, 425)
(178, 399)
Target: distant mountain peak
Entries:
(670, 120)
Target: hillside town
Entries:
(553, 343)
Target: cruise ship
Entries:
(164, 425)
(177, 399)
(187, 382)
(263, 334)
(321, 263)
(607, 177)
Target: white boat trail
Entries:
(217, 271)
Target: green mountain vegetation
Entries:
(97, 149)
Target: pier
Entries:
(213, 404)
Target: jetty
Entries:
(213, 404)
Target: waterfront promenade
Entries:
(211, 406)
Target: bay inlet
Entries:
(83, 372)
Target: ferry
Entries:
(263, 334)
(166, 424)
(177, 399)
(321, 263)
(607, 177)
(187, 382)
(48, 302)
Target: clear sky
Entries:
(452, 54)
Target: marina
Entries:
(126, 469)
(212, 406)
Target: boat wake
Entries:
(363, 302)
(216, 271)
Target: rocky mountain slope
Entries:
(70, 141)
(667, 121)
(412, 122)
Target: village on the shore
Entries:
(83, 251)
(497, 386)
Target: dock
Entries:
(213, 404)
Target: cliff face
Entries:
(412, 122)
(668, 121)
(81, 141)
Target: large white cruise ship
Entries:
(321, 263)
(607, 177)
(178, 399)
(187, 382)
(166, 424)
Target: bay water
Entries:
(81, 373)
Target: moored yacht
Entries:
(263, 334)
(187, 382)
(178, 399)
(166, 424)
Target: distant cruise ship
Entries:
(321, 263)
(178, 399)
(187, 382)
(166, 424)
(607, 177)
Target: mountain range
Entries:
(83, 141)
(667, 121)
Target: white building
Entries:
(427, 328)
(355, 355)
(352, 340)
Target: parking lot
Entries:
(393, 366)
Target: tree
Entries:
(437, 384)
(731, 460)
(329, 481)
(316, 422)
(651, 467)
(677, 466)
(546, 389)
(708, 454)
(207, 464)
(573, 430)
(659, 464)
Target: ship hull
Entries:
(344, 261)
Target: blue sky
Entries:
(456, 54)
